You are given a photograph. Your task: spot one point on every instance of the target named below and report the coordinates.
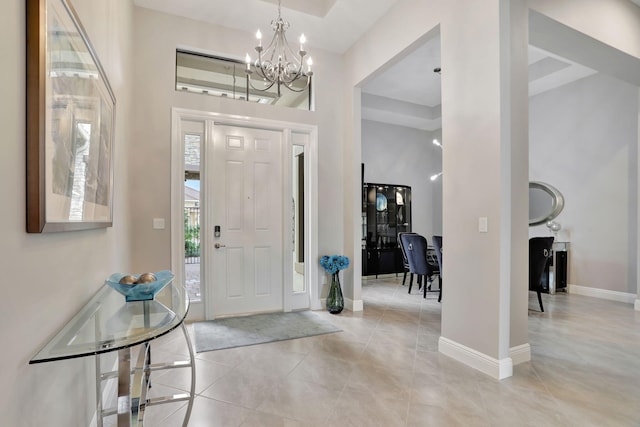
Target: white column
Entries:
(484, 115)
(352, 208)
(637, 302)
(516, 120)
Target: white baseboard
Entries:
(354, 305)
(495, 368)
(520, 354)
(603, 293)
(318, 304)
(637, 305)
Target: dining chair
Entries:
(405, 263)
(416, 249)
(437, 245)
(539, 254)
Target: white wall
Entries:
(47, 278)
(405, 156)
(157, 36)
(476, 159)
(485, 162)
(583, 141)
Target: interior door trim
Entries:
(177, 190)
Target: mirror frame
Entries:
(557, 202)
(48, 210)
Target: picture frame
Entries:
(70, 124)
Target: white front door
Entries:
(247, 206)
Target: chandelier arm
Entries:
(259, 64)
(278, 72)
(295, 77)
(262, 71)
(297, 59)
(259, 89)
(271, 49)
(302, 89)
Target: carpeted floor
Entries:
(258, 329)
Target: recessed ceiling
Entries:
(411, 79)
(343, 22)
(318, 8)
(548, 71)
(408, 92)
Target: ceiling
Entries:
(406, 93)
(332, 25)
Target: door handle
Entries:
(219, 245)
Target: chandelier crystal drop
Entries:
(278, 64)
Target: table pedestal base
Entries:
(132, 394)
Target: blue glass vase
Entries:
(335, 300)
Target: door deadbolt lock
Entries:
(219, 245)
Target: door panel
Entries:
(234, 196)
(262, 257)
(234, 279)
(247, 189)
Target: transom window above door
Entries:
(204, 74)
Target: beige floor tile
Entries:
(270, 362)
(426, 415)
(155, 415)
(262, 419)
(207, 413)
(232, 356)
(299, 345)
(337, 346)
(206, 374)
(323, 370)
(301, 401)
(385, 369)
(240, 388)
(361, 409)
(381, 382)
(389, 357)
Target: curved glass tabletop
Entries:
(109, 323)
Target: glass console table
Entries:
(106, 324)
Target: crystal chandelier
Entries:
(278, 64)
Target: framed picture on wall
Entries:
(70, 124)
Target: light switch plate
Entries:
(483, 224)
(158, 223)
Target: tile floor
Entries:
(385, 370)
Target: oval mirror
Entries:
(381, 202)
(545, 202)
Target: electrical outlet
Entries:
(158, 223)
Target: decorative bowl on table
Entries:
(140, 287)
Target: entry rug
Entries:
(258, 329)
